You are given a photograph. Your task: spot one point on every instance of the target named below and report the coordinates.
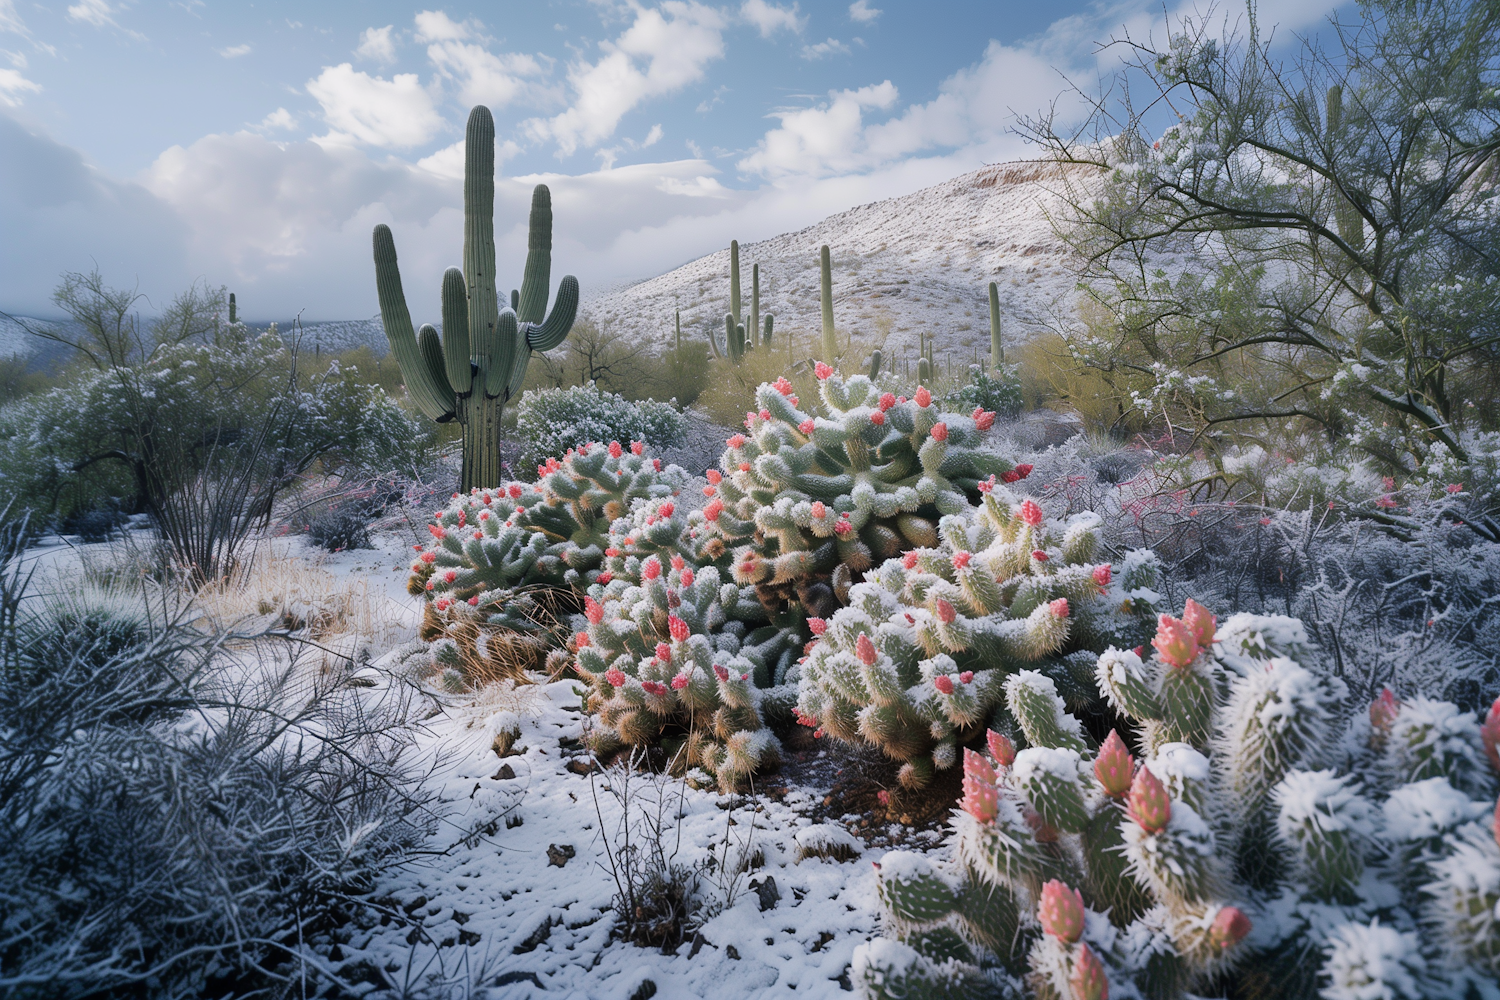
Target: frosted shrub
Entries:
(554, 421)
(1266, 831)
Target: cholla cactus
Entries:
(923, 657)
(669, 664)
(807, 502)
(554, 532)
(1269, 835)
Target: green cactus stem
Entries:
(875, 363)
(233, 310)
(734, 279)
(480, 361)
(754, 326)
(830, 338)
(997, 349)
(1350, 225)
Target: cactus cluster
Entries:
(738, 337)
(1267, 838)
(810, 499)
(479, 362)
(918, 663)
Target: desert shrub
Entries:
(177, 819)
(553, 421)
(997, 391)
(337, 530)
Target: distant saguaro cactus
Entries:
(480, 361)
(830, 339)
(738, 335)
(997, 349)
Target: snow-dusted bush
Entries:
(555, 421)
(1271, 831)
(918, 662)
(998, 391)
(176, 820)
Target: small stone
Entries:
(504, 774)
(580, 765)
(769, 894)
(732, 951)
(559, 855)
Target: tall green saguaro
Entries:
(734, 279)
(479, 363)
(997, 349)
(830, 339)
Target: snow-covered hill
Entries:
(920, 262)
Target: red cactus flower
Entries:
(1039, 555)
(1024, 470)
(961, 559)
(1001, 748)
(678, 629)
(940, 431)
(887, 401)
(664, 652)
(923, 398)
(612, 552)
(1088, 981)
(1103, 575)
(709, 491)
(1455, 487)
(818, 625)
(437, 531)
(807, 426)
(1229, 928)
(909, 560)
(984, 419)
(782, 386)
(822, 371)
(442, 603)
(1385, 708)
(1010, 476)
(687, 578)
(744, 466)
(721, 672)
(1060, 911)
(1201, 622)
(651, 568)
(738, 441)
(966, 677)
(713, 510)
(1175, 642)
(637, 447)
(606, 576)
(1148, 804)
(1114, 767)
(883, 797)
(714, 476)
(450, 575)
(945, 611)
(843, 527)
(1059, 607)
(679, 682)
(1489, 734)
(429, 557)
(1031, 513)
(615, 677)
(656, 464)
(818, 510)
(988, 485)
(943, 683)
(678, 562)
(615, 450)
(593, 610)
(666, 509)
(877, 418)
(865, 649)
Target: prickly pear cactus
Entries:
(1267, 836)
(810, 499)
(919, 662)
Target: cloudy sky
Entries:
(255, 144)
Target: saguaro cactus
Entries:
(480, 361)
(740, 336)
(830, 338)
(997, 349)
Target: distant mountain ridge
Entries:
(918, 263)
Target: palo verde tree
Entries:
(480, 361)
(1313, 244)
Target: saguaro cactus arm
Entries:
(479, 250)
(456, 353)
(531, 306)
(734, 279)
(429, 397)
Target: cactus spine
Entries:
(997, 349)
(830, 339)
(480, 361)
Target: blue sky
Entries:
(255, 145)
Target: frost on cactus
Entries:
(676, 657)
(551, 533)
(811, 498)
(1266, 833)
(918, 662)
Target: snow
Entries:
(1035, 761)
(1373, 962)
(1321, 800)
(1426, 809)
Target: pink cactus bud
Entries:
(818, 625)
(807, 427)
(713, 510)
(637, 447)
(909, 560)
(966, 677)
(1039, 555)
(581, 640)
(961, 559)
(664, 652)
(940, 431)
(442, 603)
(843, 528)
(764, 414)
(782, 386)
(1384, 709)
(666, 509)
(714, 476)
(945, 612)
(983, 419)
(877, 418)
(1175, 642)
(988, 485)
(744, 466)
(593, 610)
(865, 649)
(884, 798)
(1001, 748)
(1489, 734)
(819, 510)
(606, 576)
(678, 629)
(1031, 513)
(1103, 575)
(981, 798)
(721, 672)
(687, 578)
(1022, 471)
(474, 601)
(1229, 928)
(450, 575)
(1060, 911)
(923, 398)
(612, 552)
(1201, 622)
(615, 449)
(822, 371)
(887, 400)
(429, 557)
(1059, 607)
(976, 766)
(651, 568)
(1010, 476)
(1088, 981)
(1149, 805)
(679, 682)
(1114, 767)
(943, 683)
(615, 676)
(1455, 487)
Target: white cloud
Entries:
(652, 137)
(377, 44)
(437, 26)
(394, 113)
(664, 49)
(831, 47)
(479, 75)
(235, 51)
(448, 162)
(861, 11)
(13, 85)
(101, 15)
(769, 18)
(280, 118)
(821, 140)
